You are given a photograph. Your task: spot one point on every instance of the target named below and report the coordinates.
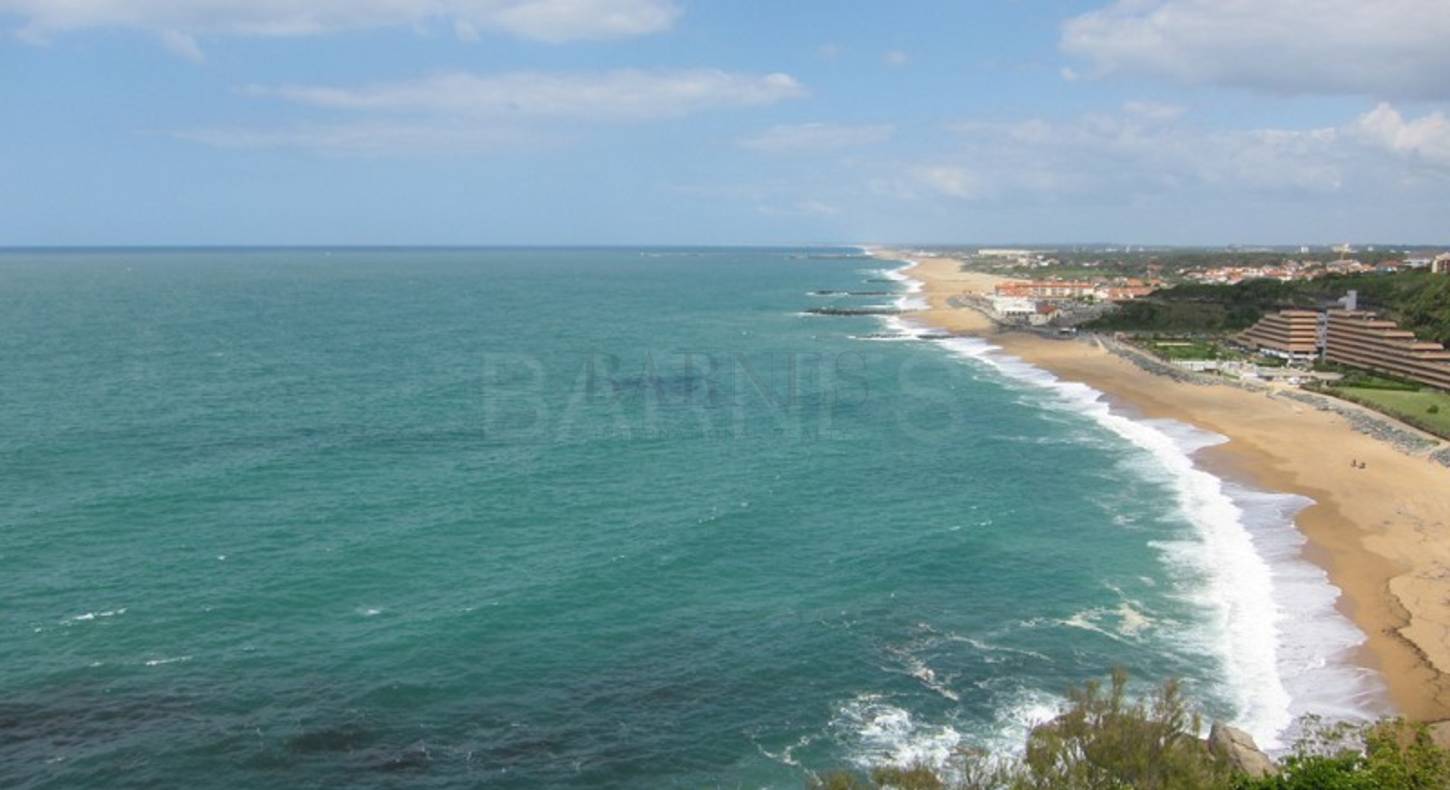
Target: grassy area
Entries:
(1428, 410)
(1182, 349)
(1355, 378)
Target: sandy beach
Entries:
(1380, 532)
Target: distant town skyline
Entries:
(494, 122)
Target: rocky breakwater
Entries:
(1366, 422)
(854, 311)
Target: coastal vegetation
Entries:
(1407, 401)
(1419, 301)
(1426, 409)
(1187, 348)
(1105, 740)
(1362, 379)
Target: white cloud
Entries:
(801, 208)
(816, 137)
(1154, 111)
(1145, 150)
(1384, 48)
(365, 139)
(817, 208)
(1425, 140)
(469, 112)
(1141, 168)
(542, 20)
(896, 58)
(615, 95)
(950, 180)
(183, 45)
(1141, 162)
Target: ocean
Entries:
(588, 518)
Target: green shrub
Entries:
(1105, 742)
(1388, 755)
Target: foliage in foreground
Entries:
(1105, 742)
(1387, 754)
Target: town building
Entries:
(1046, 313)
(1363, 340)
(1441, 264)
(1013, 306)
(1290, 334)
(1048, 289)
(1122, 293)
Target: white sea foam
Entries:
(915, 667)
(1317, 644)
(881, 733)
(786, 756)
(989, 650)
(88, 616)
(884, 338)
(911, 299)
(1123, 624)
(1247, 550)
(156, 662)
(1023, 710)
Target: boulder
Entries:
(1440, 730)
(1239, 749)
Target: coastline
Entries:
(1376, 532)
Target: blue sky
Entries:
(715, 122)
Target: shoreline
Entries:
(1376, 532)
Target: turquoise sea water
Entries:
(582, 518)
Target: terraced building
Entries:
(1291, 334)
(1363, 340)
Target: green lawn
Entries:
(1182, 349)
(1412, 407)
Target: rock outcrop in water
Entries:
(896, 336)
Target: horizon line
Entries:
(1042, 246)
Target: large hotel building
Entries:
(1350, 337)
(1291, 334)
(1362, 340)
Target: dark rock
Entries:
(854, 311)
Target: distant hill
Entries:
(1419, 301)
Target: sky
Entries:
(328, 122)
